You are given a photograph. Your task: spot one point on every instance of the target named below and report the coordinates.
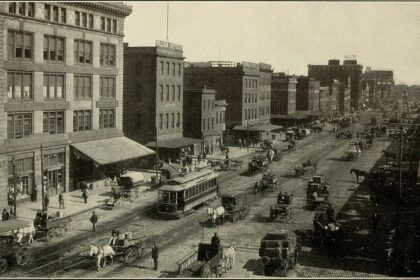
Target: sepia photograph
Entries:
(209, 139)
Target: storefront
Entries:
(54, 162)
(170, 150)
(256, 132)
(24, 175)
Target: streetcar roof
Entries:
(182, 183)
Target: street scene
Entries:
(127, 156)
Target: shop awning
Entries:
(289, 117)
(174, 143)
(258, 127)
(111, 150)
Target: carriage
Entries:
(206, 262)
(305, 167)
(269, 181)
(317, 186)
(328, 233)
(279, 253)
(48, 226)
(353, 151)
(11, 250)
(129, 248)
(128, 189)
(236, 204)
(283, 209)
(256, 165)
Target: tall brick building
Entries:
(153, 98)
(245, 86)
(61, 75)
(307, 94)
(204, 117)
(378, 84)
(283, 94)
(326, 74)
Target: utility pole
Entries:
(43, 179)
(14, 185)
(247, 140)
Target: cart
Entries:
(48, 226)
(304, 168)
(129, 248)
(10, 249)
(270, 181)
(283, 209)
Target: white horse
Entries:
(21, 233)
(216, 214)
(228, 256)
(105, 251)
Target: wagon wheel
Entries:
(234, 217)
(50, 234)
(140, 250)
(132, 196)
(130, 255)
(22, 255)
(3, 265)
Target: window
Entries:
(12, 7)
(82, 87)
(31, 9)
(19, 45)
(82, 52)
(173, 93)
(178, 123)
(212, 123)
(114, 26)
(167, 121)
(167, 67)
(179, 69)
(53, 86)
(204, 125)
(179, 93)
(208, 124)
(47, 12)
(55, 13)
(81, 120)
(107, 55)
(84, 19)
(173, 120)
(77, 18)
(212, 104)
(167, 93)
(160, 121)
(161, 92)
(103, 23)
(217, 117)
(53, 122)
(19, 85)
(106, 118)
(108, 24)
(53, 48)
(107, 87)
(90, 21)
(63, 15)
(19, 125)
(173, 69)
(161, 67)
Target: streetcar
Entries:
(181, 194)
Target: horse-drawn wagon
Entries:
(205, 262)
(353, 151)
(279, 253)
(257, 164)
(11, 250)
(283, 209)
(305, 167)
(236, 204)
(317, 192)
(48, 226)
(269, 181)
(128, 189)
(328, 232)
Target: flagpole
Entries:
(167, 21)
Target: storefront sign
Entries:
(164, 44)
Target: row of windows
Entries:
(264, 110)
(106, 24)
(250, 114)
(167, 93)
(251, 83)
(22, 8)
(19, 125)
(172, 116)
(220, 117)
(83, 19)
(251, 97)
(265, 95)
(208, 124)
(169, 68)
(200, 188)
(210, 105)
(20, 46)
(265, 81)
(54, 13)
(20, 86)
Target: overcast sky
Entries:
(287, 35)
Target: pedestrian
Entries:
(211, 149)
(155, 255)
(199, 158)
(240, 144)
(61, 201)
(46, 202)
(94, 220)
(85, 195)
(375, 221)
(5, 215)
(215, 241)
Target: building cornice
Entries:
(114, 8)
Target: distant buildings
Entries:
(204, 117)
(307, 95)
(246, 88)
(153, 98)
(326, 74)
(283, 94)
(378, 85)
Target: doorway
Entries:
(55, 182)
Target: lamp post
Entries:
(43, 179)
(247, 140)
(14, 185)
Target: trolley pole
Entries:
(14, 185)
(42, 179)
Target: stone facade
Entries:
(378, 85)
(39, 62)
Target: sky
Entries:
(287, 35)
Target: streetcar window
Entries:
(172, 197)
(164, 197)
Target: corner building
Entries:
(61, 78)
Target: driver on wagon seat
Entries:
(113, 240)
